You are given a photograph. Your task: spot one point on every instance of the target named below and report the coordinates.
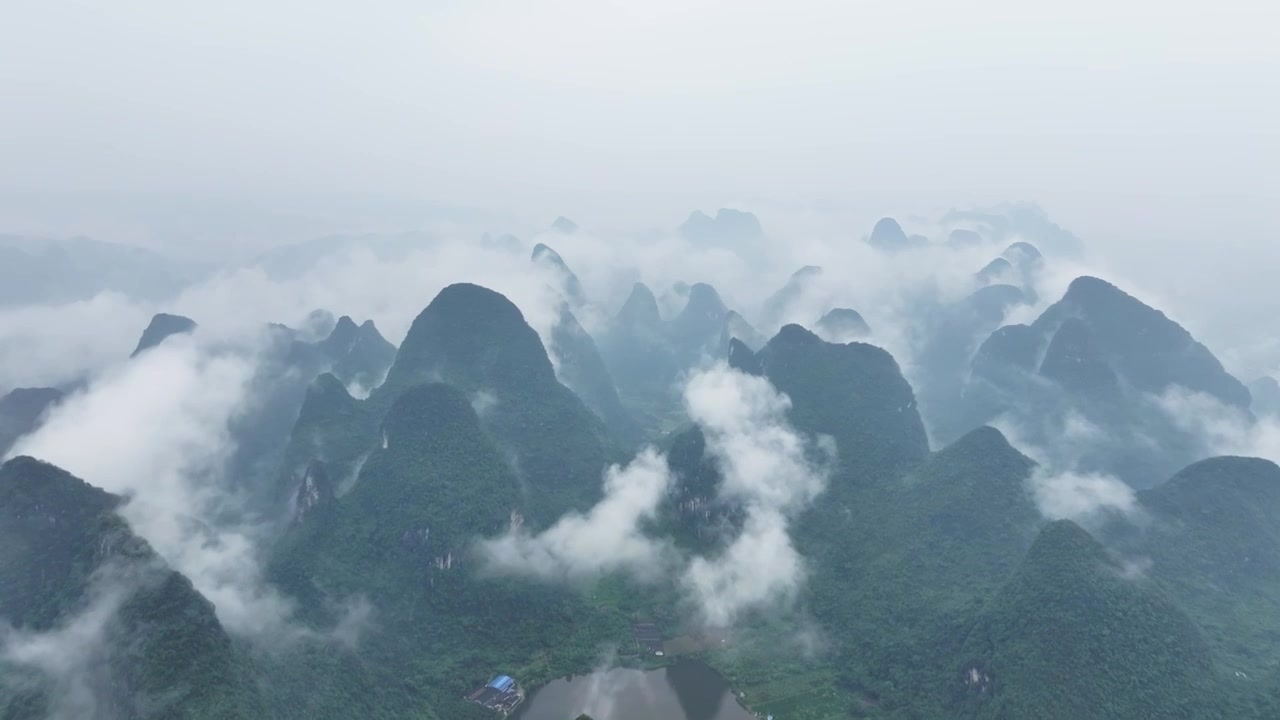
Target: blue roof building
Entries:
(502, 683)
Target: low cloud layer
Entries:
(67, 661)
(155, 430)
(1224, 430)
(1082, 497)
(608, 538)
(767, 471)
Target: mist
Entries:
(247, 166)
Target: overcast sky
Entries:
(1133, 114)
(1151, 129)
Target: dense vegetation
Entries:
(934, 587)
(64, 553)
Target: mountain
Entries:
(1020, 222)
(160, 651)
(564, 226)
(1213, 542)
(296, 260)
(1096, 362)
(698, 329)
(951, 333)
(162, 326)
(1149, 351)
(961, 238)
(729, 228)
(974, 517)
(842, 325)
(888, 236)
(737, 327)
(505, 242)
(1024, 256)
(1265, 394)
(477, 341)
(776, 307)
(567, 283)
(635, 349)
(998, 271)
(356, 355)
(403, 537)
(1076, 363)
(22, 410)
(48, 271)
(1071, 636)
(583, 370)
(743, 359)
(855, 393)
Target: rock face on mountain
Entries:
(130, 634)
(1071, 636)
(22, 410)
(565, 281)
(161, 327)
(315, 493)
(729, 228)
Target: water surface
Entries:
(684, 691)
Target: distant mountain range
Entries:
(931, 581)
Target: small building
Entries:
(501, 694)
(648, 637)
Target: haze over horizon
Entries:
(857, 360)
(1126, 123)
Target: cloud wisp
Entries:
(155, 430)
(768, 470)
(609, 537)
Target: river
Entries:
(688, 690)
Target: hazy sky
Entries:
(1132, 118)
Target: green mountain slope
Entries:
(1071, 636)
(160, 651)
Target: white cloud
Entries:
(68, 659)
(1081, 497)
(155, 430)
(766, 468)
(608, 538)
